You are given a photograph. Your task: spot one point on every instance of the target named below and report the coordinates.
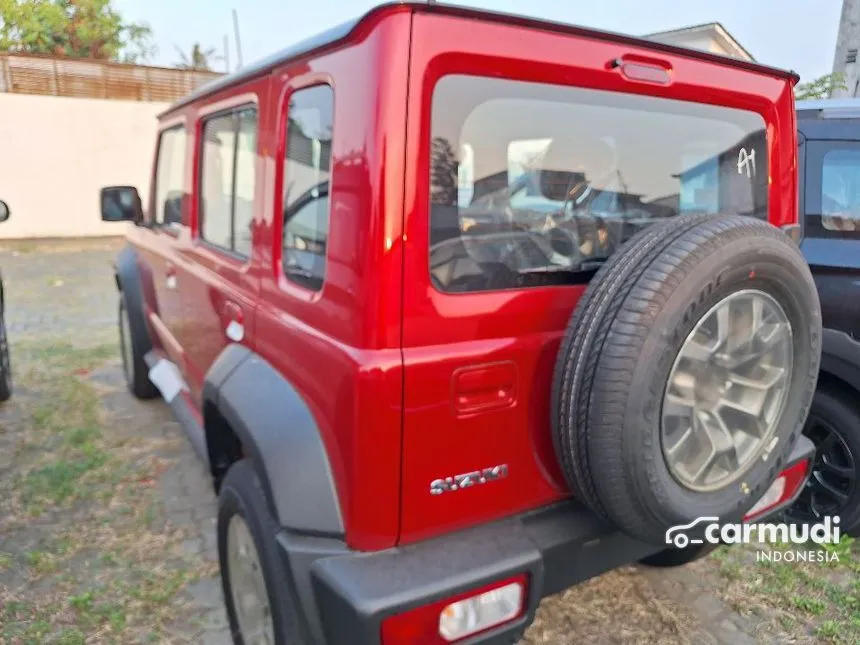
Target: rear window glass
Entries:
(535, 184)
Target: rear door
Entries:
(218, 284)
(157, 241)
(831, 245)
(530, 161)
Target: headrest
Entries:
(571, 161)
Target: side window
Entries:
(840, 190)
(170, 178)
(227, 180)
(307, 171)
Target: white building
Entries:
(711, 37)
(847, 44)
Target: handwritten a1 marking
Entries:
(746, 162)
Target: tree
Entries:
(821, 87)
(91, 29)
(443, 172)
(200, 59)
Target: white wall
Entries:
(56, 153)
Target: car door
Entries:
(217, 284)
(156, 241)
(831, 244)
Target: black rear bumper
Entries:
(346, 595)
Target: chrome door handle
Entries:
(235, 331)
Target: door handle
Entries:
(234, 320)
(481, 388)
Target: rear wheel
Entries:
(833, 489)
(259, 598)
(686, 373)
(5, 362)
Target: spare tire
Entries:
(686, 373)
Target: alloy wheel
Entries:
(727, 390)
(833, 479)
(248, 586)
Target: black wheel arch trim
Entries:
(279, 434)
(840, 357)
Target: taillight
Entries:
(781, 490)
(453, 619)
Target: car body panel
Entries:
(387, 365)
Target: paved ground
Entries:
(62, 298)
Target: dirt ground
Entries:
(107, 518)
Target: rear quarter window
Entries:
(840, 191)
(535, 184)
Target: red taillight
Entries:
(781, 490)
(459, 617)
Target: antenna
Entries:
(238, 40)
(227, 52)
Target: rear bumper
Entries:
(346, 595)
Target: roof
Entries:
(715, 27)
(831, 108)
(337, 35)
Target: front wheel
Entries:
(133, 364)
(5, 363)
(260, 604)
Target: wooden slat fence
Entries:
(25, 74)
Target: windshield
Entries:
(535, 184)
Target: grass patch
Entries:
(804, 598)
(61, 480)
(41, 562)
(71, 637)
(82, 602)
(107, 563)
(63, 356)
(812, 606)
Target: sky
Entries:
(793, 34)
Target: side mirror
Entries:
(121, 204)
(4, 211)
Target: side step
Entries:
(165, 375)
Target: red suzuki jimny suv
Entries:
(462, 309)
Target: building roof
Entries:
(336, 35)
(715, 29)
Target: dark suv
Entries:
(463, 308)
(829, 166)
